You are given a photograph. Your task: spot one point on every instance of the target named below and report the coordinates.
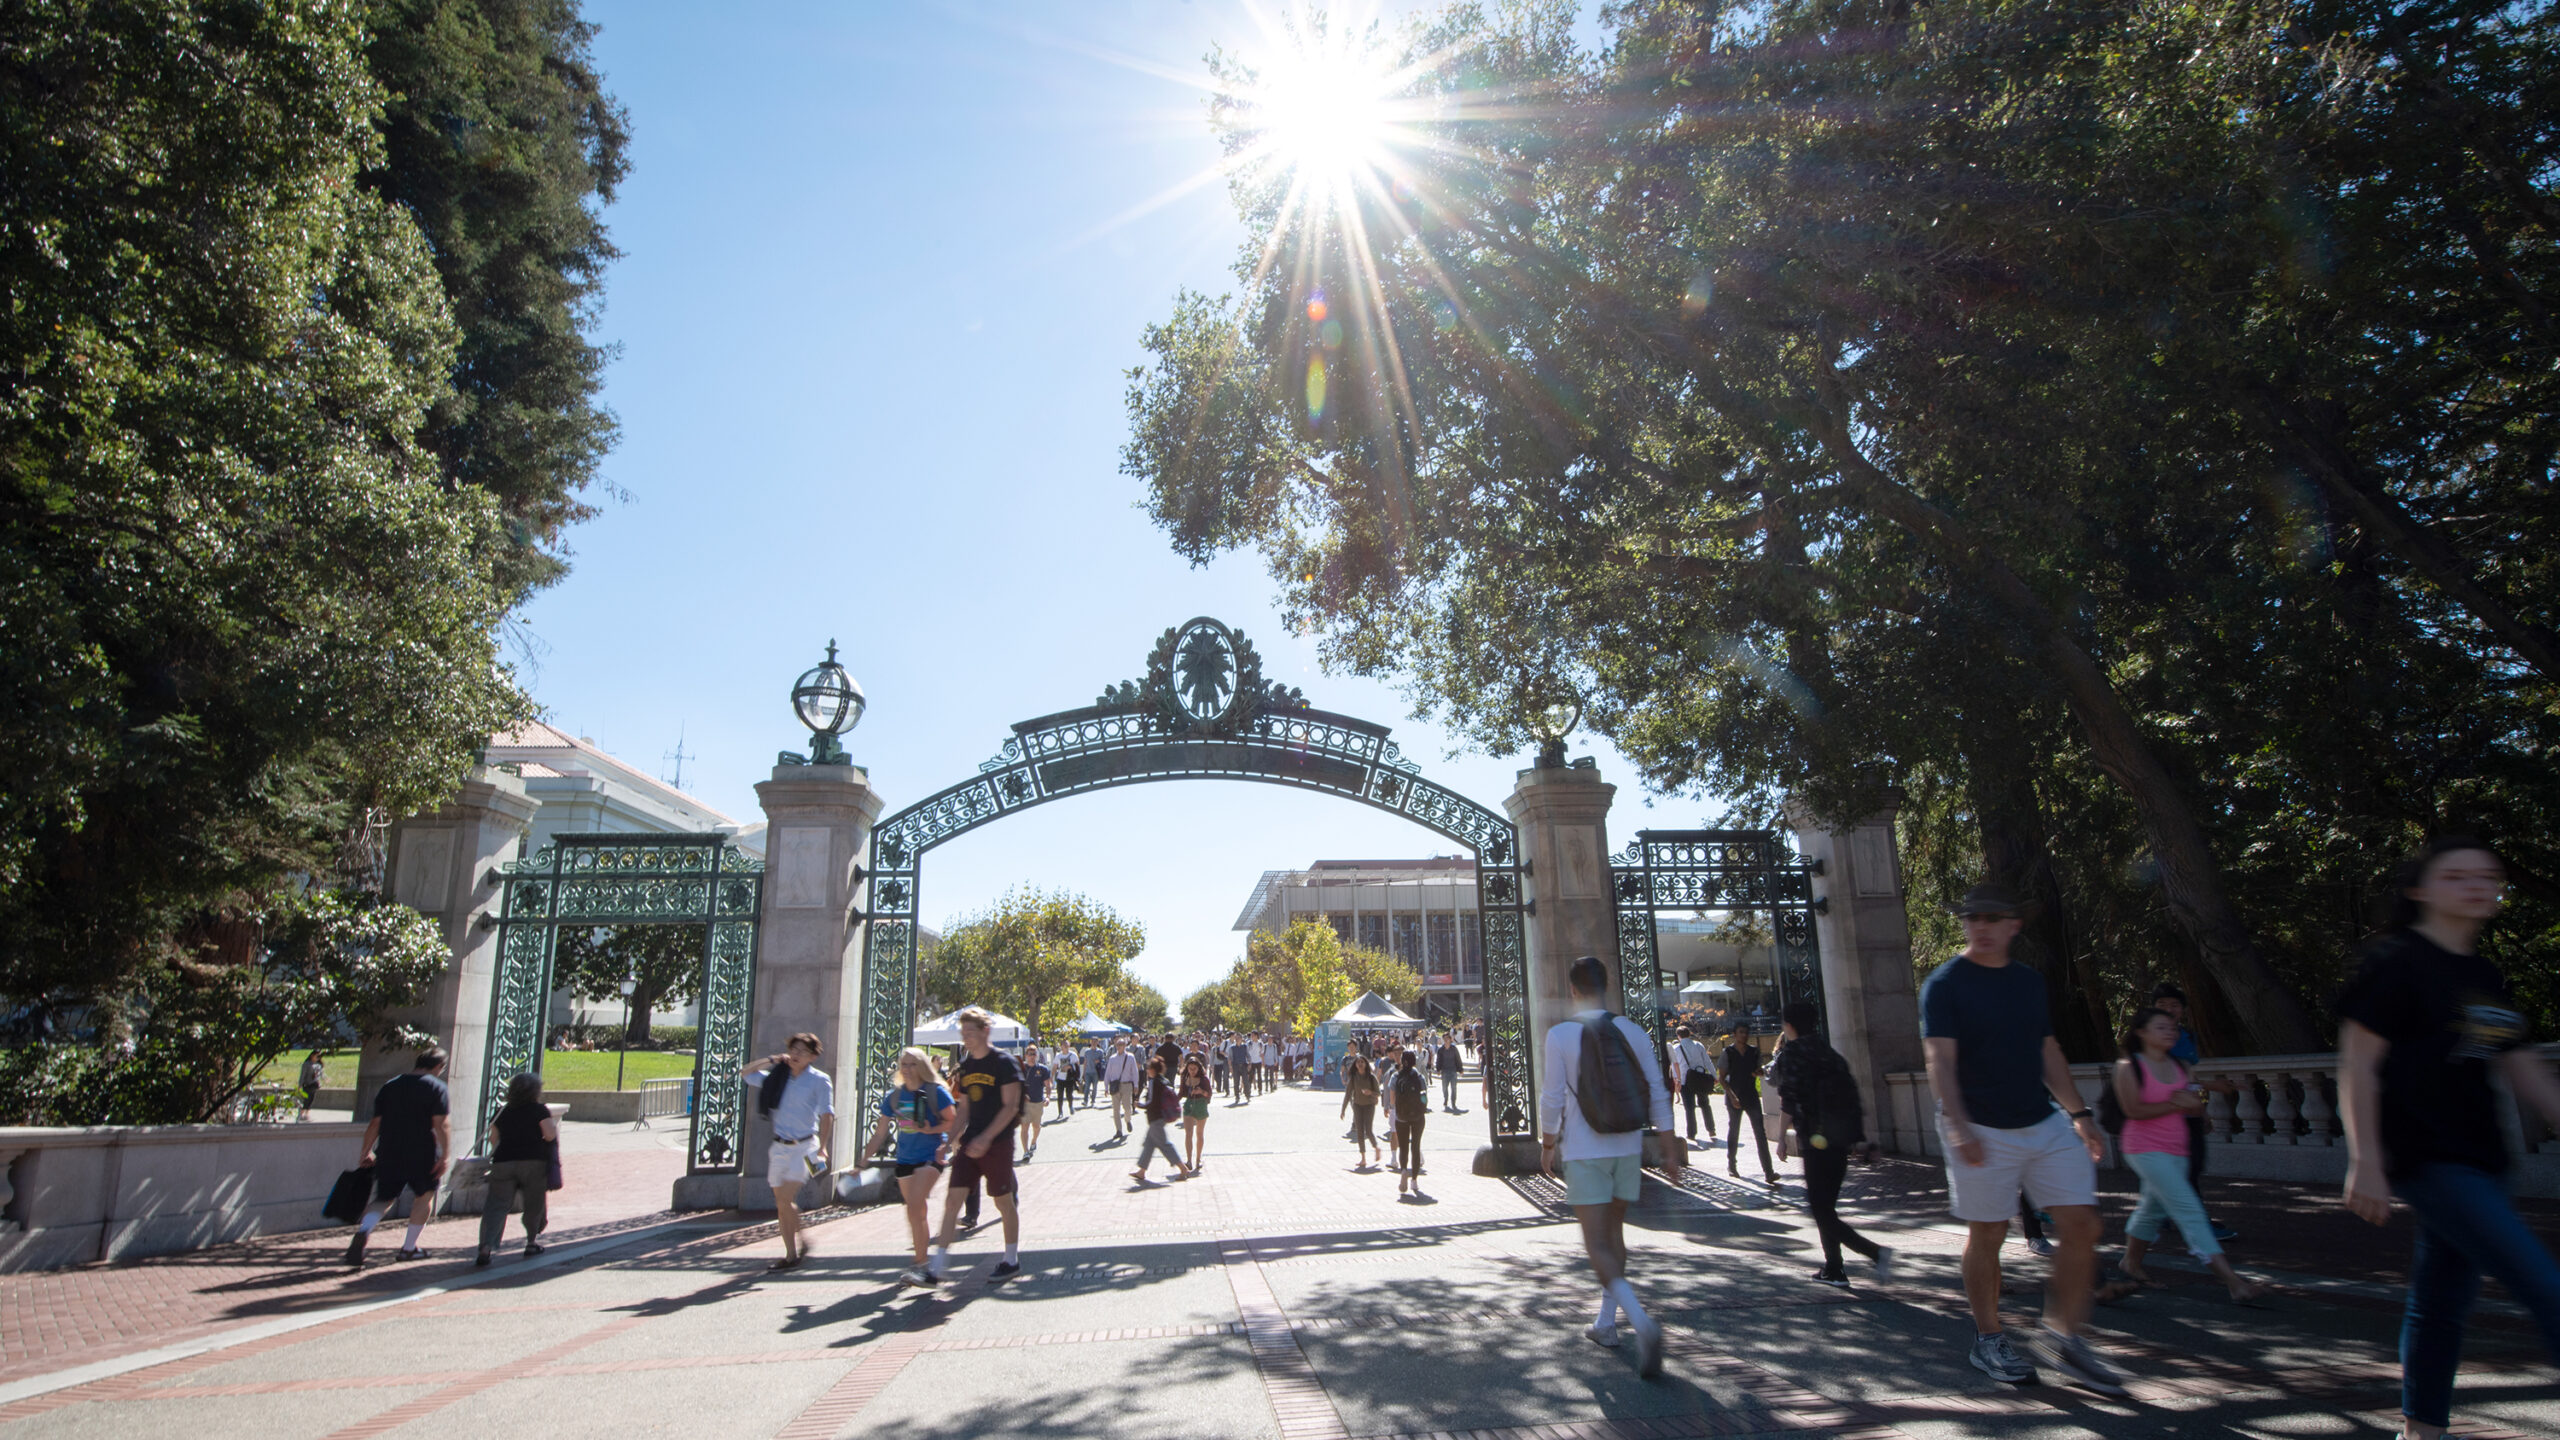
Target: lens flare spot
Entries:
(1444, 315)
(1701, 291)
(1332, 334)
(1316, 308)
(1315, 387)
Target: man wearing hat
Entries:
(2010, 1118)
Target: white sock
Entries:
(416, 1229)
(941, 1256)
(1608, 1312)
(1013, 1254)
(1625, 1295)
(371, 1219)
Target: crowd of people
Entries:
(2429, 1033)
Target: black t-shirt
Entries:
(1996, 1015)
(1170, 1052)
(1741, 1065)
(2447, 1016)
(407, 1105)
(982, 1083)
(520, 1132)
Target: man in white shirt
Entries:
(1121, 1073)
(804, 1122)
(1603, 1171)
(1694, 1071)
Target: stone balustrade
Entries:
(2280, 1123)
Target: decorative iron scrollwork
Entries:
(1677, 870)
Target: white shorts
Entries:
(786, 1166)
(2046, 1160)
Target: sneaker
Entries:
(1883, 1263)
(532, 1248)
(2041, 1245)
(787, 1262)
(481, 1260)
(1648, 1347)
(2224, 1232)
(1005, 1270)
(2082, 1365)
(917, 1276)
(1606, 1339)
(1994, 1356)
(355, 1251)
(1835, 1281)
(408, 1252)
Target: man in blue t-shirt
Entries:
(1998, 1074)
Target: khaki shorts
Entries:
(786, 1166)
(2046, 1160)
(1032, 1110)
(1597, 1182)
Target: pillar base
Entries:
(1515, 1155)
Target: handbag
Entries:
(551, 1165)
(347, 1198)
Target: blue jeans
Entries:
(2466, 1226)
(2166, 1195)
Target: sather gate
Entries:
(1203, 711)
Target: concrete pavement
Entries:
(1280, 1295)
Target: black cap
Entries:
(1986, 900)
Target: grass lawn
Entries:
(561, 1069)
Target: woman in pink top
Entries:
(2158, 1095)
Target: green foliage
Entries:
(499, 140)
(2123, 427)
(1283, 979)
(241, 606)
(666, 960)
(1043, 959)
(325, 964)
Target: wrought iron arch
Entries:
(1203, 712)
(1714, 870)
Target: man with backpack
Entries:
(1601, 1062)
(1819, 1096)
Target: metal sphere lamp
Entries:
(829, 702)
(1551, 723)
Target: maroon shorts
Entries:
(995, 1167)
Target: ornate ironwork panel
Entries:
(585, 880)
(1639, 975)
(1202, 712)
(1755, 870)
(728, 1005)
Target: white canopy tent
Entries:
(945, 1030)
(1093, 1027)
(1706, 987)
(1373, 1011)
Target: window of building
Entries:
(1442, 957)
(1409, 940)
(1471, 953)
(1373, 931)
(1341, 925)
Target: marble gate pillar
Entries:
(1563, 818)
(1871, 1001)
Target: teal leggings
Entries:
(2166, 1195)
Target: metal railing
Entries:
(665, 1099)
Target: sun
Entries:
(1324, 110)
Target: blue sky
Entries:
(882, 280)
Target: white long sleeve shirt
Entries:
(1560, 1113)
(1122, 1069)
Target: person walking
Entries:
(801, 1099)
(314, 1071)
(1596, 1094)
(2428, 1027)
(1360, 1102)
(1740, 1064)
(1197, 1092)
(524, 1143)
(1239, 1071)
(1450, 1065)
(1818, 1095)
(2158, 1094)
(1091, 1069)
(2199, 1130)
(1411, 1093)
(1036, 1078)
(1070, 1072)
(407, 1144)
(987, 1086)
(1162, 1105)
(1121, 1074)
(1696, 1080)
(922, 1113)
(2010, 1117)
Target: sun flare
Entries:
(1323, 110)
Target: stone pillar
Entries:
(1871, 1003)
(1563, 817)
(809, 954)
(441, 866)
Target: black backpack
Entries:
(1610, 1084)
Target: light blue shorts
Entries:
(1597, 1182)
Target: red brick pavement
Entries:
(57, 1319)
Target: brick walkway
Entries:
(1280, 1295)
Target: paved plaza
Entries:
(1279, 1295)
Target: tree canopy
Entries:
(1286, 978)
(1043, 958)
(2120, 426)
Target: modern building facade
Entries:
(1423, 912)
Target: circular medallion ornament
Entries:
(1204, 676)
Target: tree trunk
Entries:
(2190, 876)
(2000, 777)
(635, 1035)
